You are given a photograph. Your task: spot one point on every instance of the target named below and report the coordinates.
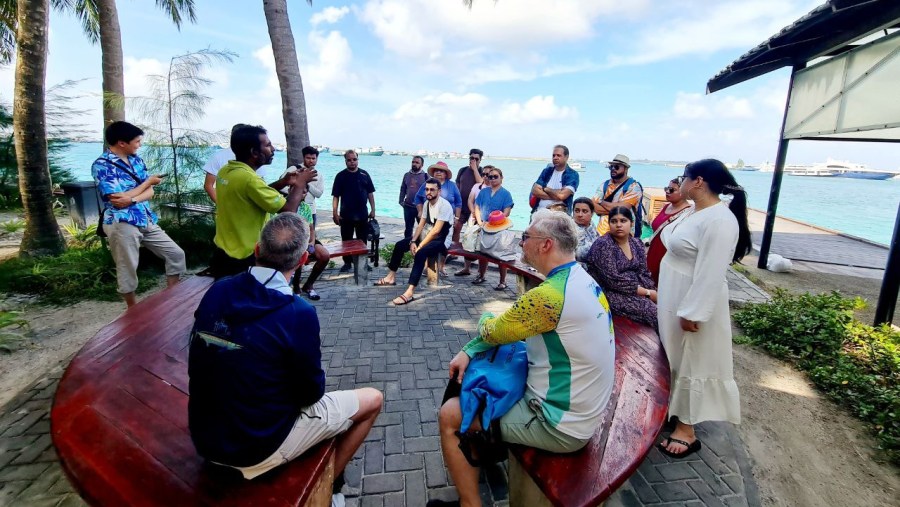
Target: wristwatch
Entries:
(133, 200)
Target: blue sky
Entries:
(513, 77)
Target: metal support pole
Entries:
(890, 285)
(777, 175)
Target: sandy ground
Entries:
(806, 451)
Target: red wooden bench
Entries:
(119, 420)
(355, 248)
(632, 422)
(527, 276)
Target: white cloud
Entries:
(332, 62)
(703, 29)
(694, 106)
(536, 109)
(329, 15)
(443, 107)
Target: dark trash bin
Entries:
(82, 201)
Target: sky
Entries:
(512, 77)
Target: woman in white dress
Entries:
(694, 321)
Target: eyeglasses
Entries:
(526, 237)
(493, 177)
(670, 190)
(474, 158)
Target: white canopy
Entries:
(852, 96)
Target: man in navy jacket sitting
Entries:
(257, 388)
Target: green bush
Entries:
(76, 275)
(12, 225)
(855, 364)
(388, 250)
(194, 235)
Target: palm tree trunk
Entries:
(113, 66)
(42, 234)
(293, 103)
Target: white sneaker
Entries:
(337, 500)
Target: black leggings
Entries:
(433, 247)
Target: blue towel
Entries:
(494, 380)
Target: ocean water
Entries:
(870, 214)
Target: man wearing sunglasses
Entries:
(619, 190)
(466, 178)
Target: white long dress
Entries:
(692, 285)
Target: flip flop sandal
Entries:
(501, 286)
(403, 300)
(462, 273)
(691, 448)
(478, 281)
(382, 283)
(311, 294)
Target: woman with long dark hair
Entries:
(616, 261)
(676, 204)
(694, 320)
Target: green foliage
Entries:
(388, 250)
(82, 238)
(194, 235)
(13, 225)
(76, 275)
(59, 129)
(12, 331)
(855, 364)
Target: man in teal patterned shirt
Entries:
(125, 188)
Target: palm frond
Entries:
(177, 10)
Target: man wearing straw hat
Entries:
(618, 190)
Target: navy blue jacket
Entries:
(254, 362)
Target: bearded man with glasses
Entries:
(619, 190)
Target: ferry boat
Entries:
(843, 169)
(578, 166)
(375, 151)
(804, 170)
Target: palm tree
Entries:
(42, 234)
(100, 20)
(293, 102)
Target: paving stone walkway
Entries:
(403, 352)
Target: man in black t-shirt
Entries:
(466, 178)
(352, 188)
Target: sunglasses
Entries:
(681, 179)
(616, 167)
(493, 177)
(474, 158)
(670, 190)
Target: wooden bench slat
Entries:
(632, 419)
(119, 419)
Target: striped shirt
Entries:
(568, 333)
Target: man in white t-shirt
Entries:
(426, 241)
(557, 183)
(215, 163)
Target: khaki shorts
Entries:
(326, 418)
(525, 424)
(125, 242)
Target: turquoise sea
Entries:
(819, 201)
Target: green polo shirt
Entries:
(245, 202)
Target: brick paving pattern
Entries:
(403, 352)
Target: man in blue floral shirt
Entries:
(125, 187)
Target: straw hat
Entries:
(497, 222)
(621, 159)
(440, 166)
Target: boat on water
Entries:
(805, 170)
(375, 151)
(578, 166)
(844, 169)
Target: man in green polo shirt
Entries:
(245, 201)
